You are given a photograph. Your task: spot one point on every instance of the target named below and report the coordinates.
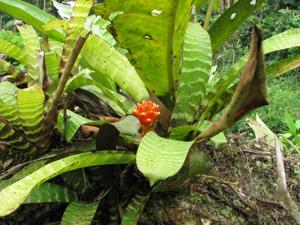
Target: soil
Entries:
(240, 189)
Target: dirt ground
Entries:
(240, 189)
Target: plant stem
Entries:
(52, 110)
(208, 14)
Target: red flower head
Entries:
(147, 112)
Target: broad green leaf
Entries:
(12, 51)
(79, 213)
(290, 123)
(32, 49)
(10, 122)
(283, 66)
(16, 193)
(80, 12)
(31, 15)
(197, 61)
(53, 24)
(159, 158)
(250, 93)
(71, 125)
(98, 93)
(52, 62)
(230, 21)
(30, 105)
(99, 27)
(8, 103)
(65, 11)
(48, 192)
(134, 209)
(84, 79)
(284, 40)
(153, 32)
(104, 59)
(129, 125)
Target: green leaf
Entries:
(8, 103)
(12, 51)
(80, 12)
(230, 21)
(283, 66)
(159, 158)
(30, 105)
(129, 125)
(32, 49)
(250, 93)
(197, 61)
(16, 193)
(284, 40)
(79, 213)
(153, 31)
(84, 79)
(52, 24)
(290, 123)
(104, 59)
(10, 122)
(134, 209)
(15, 75)
(31, 15)
(74, 121)
(65, 11)
(48, 192)
(199, 4)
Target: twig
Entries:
(52, 111)
(283, 194)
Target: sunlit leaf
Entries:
(159, 158)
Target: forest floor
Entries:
(240, 189)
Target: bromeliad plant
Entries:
(78, 64)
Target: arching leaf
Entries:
(153, 32)
(197, 61)
(79, 213)
(230, 21)
(12, 51)
(159, 158)
(15, 194)
(31, 15)
(80, 12)
(250, 93)
(30, 105)
(85, 79)
(134, 209)
(104, 59)
(32, 49)
(284, 40)
(65, 11)
(15, 75)
(283, 66)
(48, 192)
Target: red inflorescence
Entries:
(147, 112)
